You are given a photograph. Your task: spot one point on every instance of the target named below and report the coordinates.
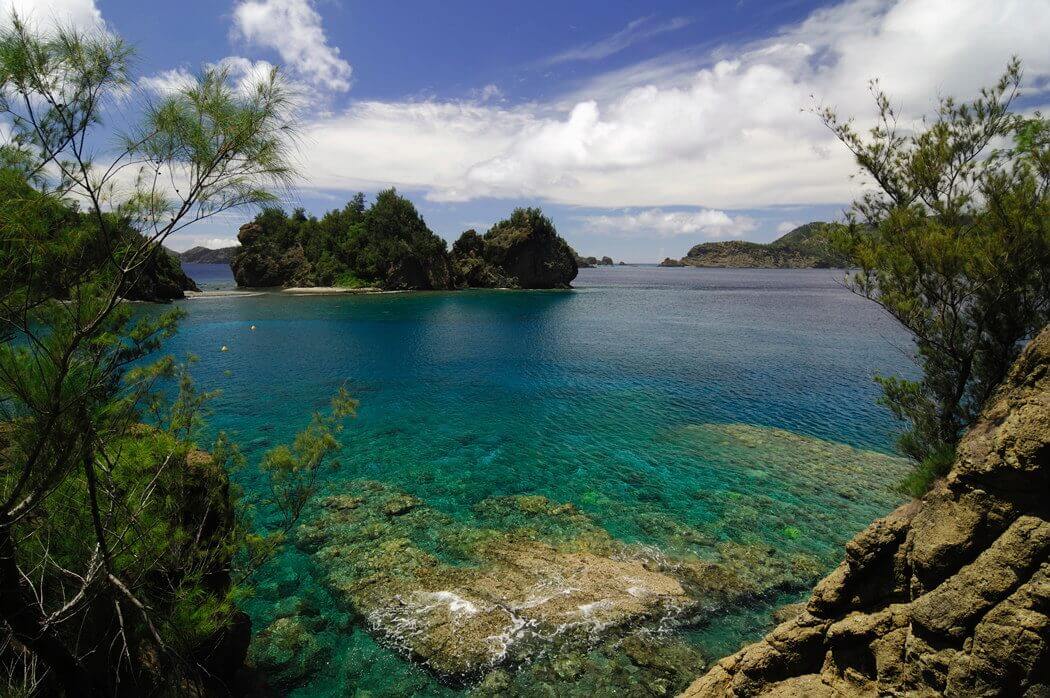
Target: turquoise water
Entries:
(648, 397)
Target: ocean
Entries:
(677, 409)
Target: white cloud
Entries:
(214, 243)
(168, 81)
(664, 224)
(293, 29)
(787, 227)
(488, 93)
(82, 14)
(726, 131)
(636, 31)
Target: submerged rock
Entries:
(947, 596)
(288, 653)
(525, 578)
(498, 594)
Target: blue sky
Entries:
(641, 128)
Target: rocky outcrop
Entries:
(524, 251)
(946, 596)
(161, 280)
(668, 262)
(257, 264)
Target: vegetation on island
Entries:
(388, 245)
(160, 277)
(954, 243)
(123, 545)
(208, 255)
(591, 262)
(809, 246)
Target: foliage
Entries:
(954, 243)
(118, 540)
(387, 244)
(522, 251)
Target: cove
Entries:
(684, 412)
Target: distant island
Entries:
(806, 247)
(591, 262)
(206, 255)
(389, 246)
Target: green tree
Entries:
(954, 243)
(119, 541)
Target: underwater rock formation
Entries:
(522, 579)
(945, 596)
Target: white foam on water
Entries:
(457, 605)
(588, 609)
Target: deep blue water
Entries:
(613, 396)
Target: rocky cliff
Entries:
(523, 251)
(945, 596)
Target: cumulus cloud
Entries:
(214, 243)
(665, 224)
(168, 81)
(635, 32)
(787, 227)
(729, 130)
(82, 14)
(293, 29)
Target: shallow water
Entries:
(647, 397)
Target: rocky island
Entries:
(207, 255)
(389, 246)
(591, 262)
(948, 595)
(807, 247)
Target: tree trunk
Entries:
(19, 610)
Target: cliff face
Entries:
(948, 595)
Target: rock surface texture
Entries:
(945, 596)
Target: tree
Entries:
(117, 539)
(954, 243)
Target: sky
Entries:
(641, 129)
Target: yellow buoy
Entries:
(224, 348)
(252, 328)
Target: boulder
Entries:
(946, 596)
